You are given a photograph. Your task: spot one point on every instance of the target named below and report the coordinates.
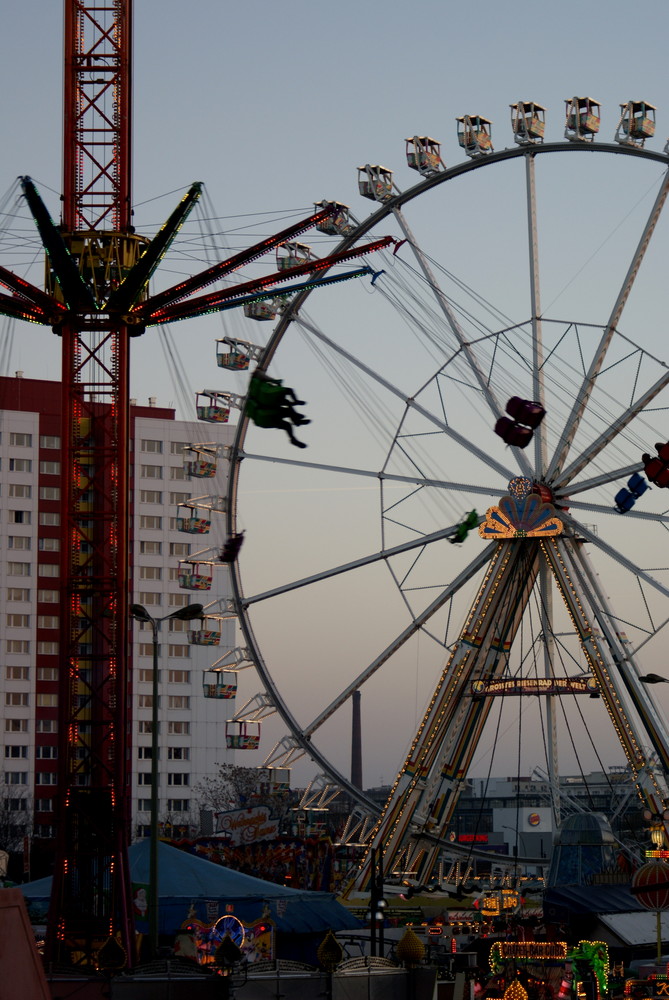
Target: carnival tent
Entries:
(191, 888)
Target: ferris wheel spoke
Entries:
(409, 401)
(617, 556)
(611, 432)
(601, 480)
(328, 574)
(658, 628)
(583, 396)
(417, 480)
(642, 515)
(481, 560)
(462, 340)
(535, 299)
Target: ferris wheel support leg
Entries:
(604, 654)
(654, 724)
(546, 616)
(426, 791)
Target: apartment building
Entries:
(192, 726)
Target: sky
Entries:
(274, 106)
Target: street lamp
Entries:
(140, 614)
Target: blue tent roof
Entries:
(190, 887)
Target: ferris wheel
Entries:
(476, 526)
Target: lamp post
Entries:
(140, 614)
(519, 836)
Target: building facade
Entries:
(192, 732)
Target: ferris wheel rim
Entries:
(290, 314)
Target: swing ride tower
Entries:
(96, 299)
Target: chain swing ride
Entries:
(96, 299)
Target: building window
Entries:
(18, 646)
(16, 752)
(177, 473)
(146, 649)
(18, 569)
(178, 676)
(179, 497)
(19, 516)
(178, 779)
(49, 518)
(48, 596)
(49, 441)
(150, 573)
(18, 621)
(46, 726)
(16, 777)
(178, 753)
(178, 805)
(19, 542)
(16, 673)
(173, 577)
(49, 569)
(178, 447)
(44, 805)
(144, 753)
(151, 471)
(18, 594)
(21, 440)
(20, 491)
(47, 701)
(145, 700)
(46, 778)
(16, 699)
(17, 805)
(179, 549)
(49, 468)
(16, 725)
(145, 728)
(49, 492)
(48, 621)
(176, 626)
(179, 600)
(178, 650)
(46, 753)
(178, 728)
(150, 522)
(20, 465)
(48, 544)
(45, 831)
(150, 548)
(151, 446)
(146, 676)
(144, 778)
(178, 701)
(150, 598)
(150, 496)
(47, 673)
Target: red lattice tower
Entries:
(90, 897)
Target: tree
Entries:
(15, 818)
(236, 787)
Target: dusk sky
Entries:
(274, 106)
